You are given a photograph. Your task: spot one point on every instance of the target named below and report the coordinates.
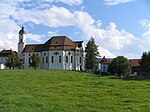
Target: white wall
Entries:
(104, 67)
(2, 66)
(3, 59)
(26, 57)
(56, 65)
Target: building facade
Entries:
(4, 55)
(103, 64)
(58, 53)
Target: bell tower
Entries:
(22, 42)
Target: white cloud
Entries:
(53, 17)
(106, 53)
(72, 2)
(145, 23)
(53, 33)
(34, 37)
(111, 40)
(117, 2)
(8, 34)
(146, 34)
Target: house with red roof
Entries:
(103, 64)
(4, 54)
(135, 65)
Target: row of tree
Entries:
(14, 61)
(120, 65)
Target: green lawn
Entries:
(70, 91)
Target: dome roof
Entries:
(22, 31)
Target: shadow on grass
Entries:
(138, 78)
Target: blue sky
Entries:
(120, 27)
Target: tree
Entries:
(120, 66)
(13, 61)
(91, 55)
(35, 61)
(145, 62)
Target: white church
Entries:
(58, 53)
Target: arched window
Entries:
(80, 59)
(66, 59)
(59, 59)
(46, 59)
(71, 59)
(52, 59)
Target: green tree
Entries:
(145, 62)
(13, 61)
(35, 61)
(120, 66)
(91, 55)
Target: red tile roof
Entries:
(54, 43)
(105, 61)
(134, 62)
(6, 53)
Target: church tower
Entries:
(22, 42)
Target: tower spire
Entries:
(22, 42)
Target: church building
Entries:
(57, 53)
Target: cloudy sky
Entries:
(120, 27)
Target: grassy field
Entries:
(70, 91)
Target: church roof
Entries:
(6, 53)
(54, 43)
(32, 48)
(105, 61)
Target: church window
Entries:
(103, 68)
(52, 59)
(29, 54)
(80, 60)
(44, 54)
(71, 59)
(23, 60)
(59, 59)
(56, 53)
(69, 53)
(46, 59)
(43, 59)
(29, 60)
(66, 59)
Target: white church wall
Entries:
(26, 60)
(55, 63)
(69, 64)
(44, 60)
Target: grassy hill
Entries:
(70, 91)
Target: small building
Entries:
(4, 54)
(103, 64)
(135, 65)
